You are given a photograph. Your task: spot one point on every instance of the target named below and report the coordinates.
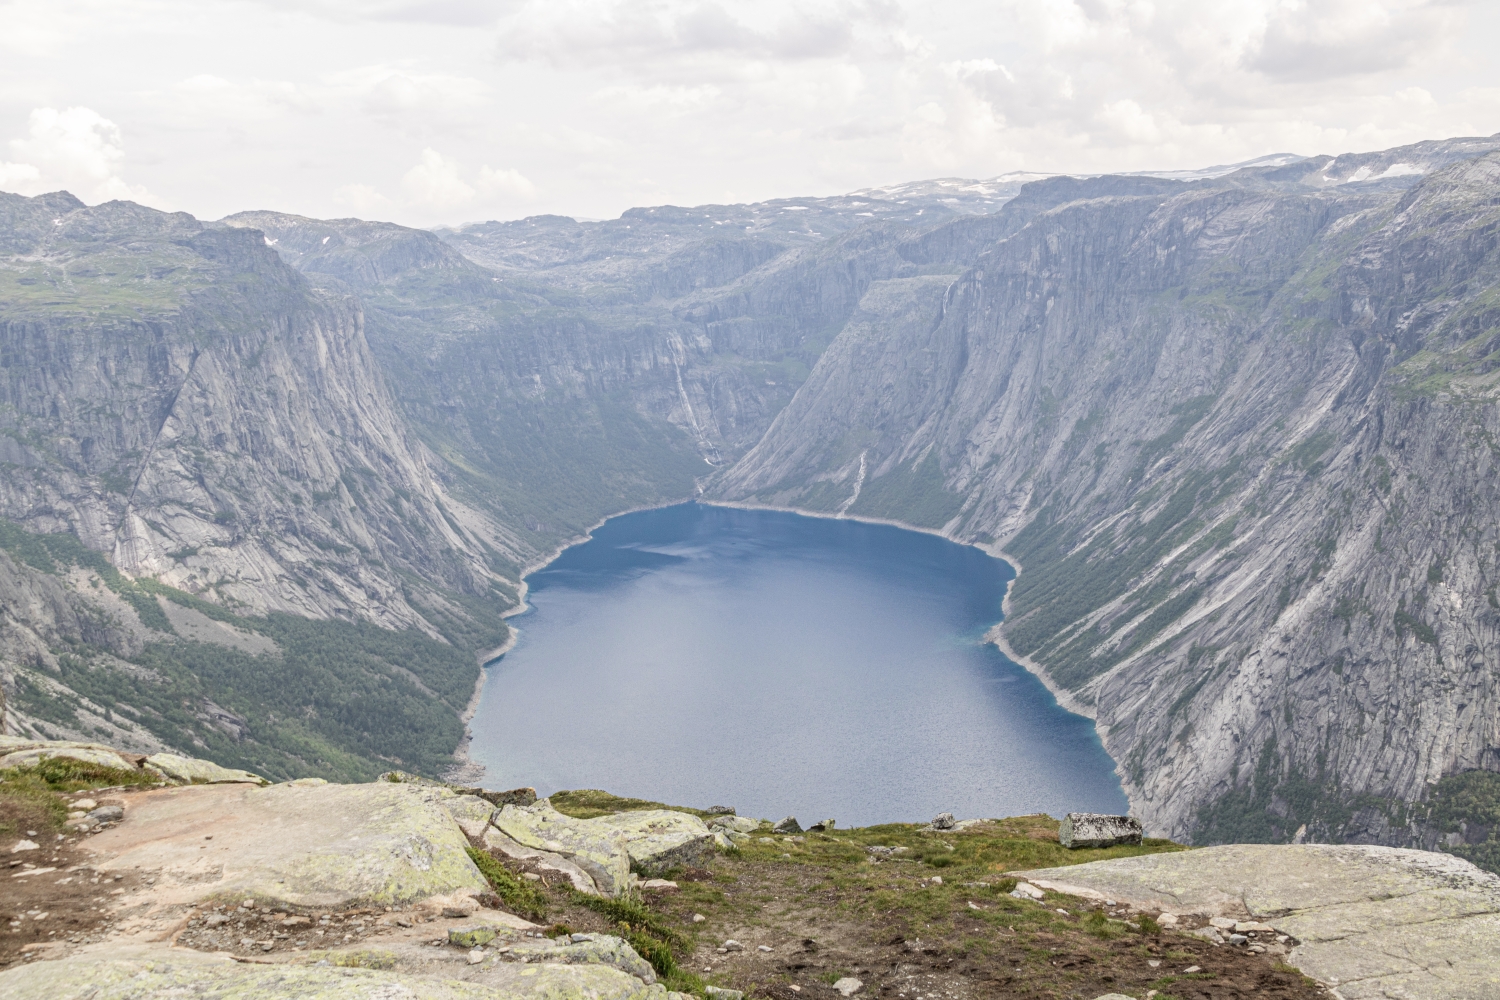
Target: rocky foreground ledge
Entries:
(210, 883)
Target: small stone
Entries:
(1025, 890)
(732, 945)
(531, 876)
(944, 821)
(1238, 939)
(1252, 927)
(1078, 830)
(698, 918)
(1191, 969)
(720, 810)
(937, 880)
(107, 814)
(1257, 949)
(1223, 923)
(1062, 911)
(659, 885)
(24, 845)
(1166, 919)
(471, 937)
(84, 805)
(720, 993)
(476, 956)
(848, 986)
(1155, 963)
(788, 825)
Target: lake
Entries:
(783, 665)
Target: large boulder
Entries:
(470, 812)
(183, 973)
(302, 845)
(542, 861)
(594, 847)
(585, 949)
(1078, 830)
(31, 753)
(192, 771)
(659, 839)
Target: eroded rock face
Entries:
(1376, 922)
(191, 771)
(598, 849)
(659, 839)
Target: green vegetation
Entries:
(912, 493)
(341, 700)
(587, 803)
(518, 897)
(1468, 801)
(29, 796)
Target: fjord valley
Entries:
(271, 482)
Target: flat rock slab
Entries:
(659, 839)
(305, 845)
(1373, 922)
(597, 849)
(190, 974)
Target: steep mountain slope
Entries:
(1238, 436)
(177, 398)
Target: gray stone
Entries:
(107, 814)
(596, 849)
(735, 824)
(1377, 922)
(192, 771)
(721, 993)
(1098, 830)
(720, 810)
(848, 986)
(821, 826)
(944, 821)
(592, 949)
(788, 825)
(659, 839)
(546, 861)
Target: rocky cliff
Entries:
(1237, 434)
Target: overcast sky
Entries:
(432, 112)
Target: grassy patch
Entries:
(519, 897)
(31, 796)
(588, 803)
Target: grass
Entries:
(588, 803)
(31, 796)
(520, 898)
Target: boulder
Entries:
(470, 812)
(1097, 830)
(545, 861)
(185, 973)
(586, 949)
(96, 755)
(788, 825)
(821, 826)
(720, 810)
(721, 993)
(736, 824)
(320, 846)
(659, 839)
(944, 821)
(848, 986)
(192, 771)
(596, 849)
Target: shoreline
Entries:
(470, 770)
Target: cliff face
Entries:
(179, 398)
(1238, 437)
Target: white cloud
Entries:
(77, 149)
(510, 184)
(435, 183)
(362, 199)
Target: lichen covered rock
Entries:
(659, 839)
(192, 771)
(596, 848)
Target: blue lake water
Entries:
(782, 665)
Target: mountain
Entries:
(1234, 426)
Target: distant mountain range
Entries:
(1236, 425)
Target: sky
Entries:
(440, 112)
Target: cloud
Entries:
(510, 184)
(76, 148)
(435, 183)
(450, 13)
(1337, 38)
(362, 199)
(392, 90)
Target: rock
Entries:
(944, 821)
(1238, 939)
(1208, 934)
(720, 993)
(699, 918)
(736, 824)
(1253, 927)
(544, 860)
(1398, 922)
(821, 826)
(181, 972)
(323, 846)
(599, 851)
(658, 885)
(591, 949)
(848, 986)
(513, 797)
(1223, 923)
(1025, 890)
(659, 839)
(788, 825)
(732, 945)
(471, 937)
(1167, 919)
(720, 810)
(191, 771)
(1191, 969)
(470, 812)
(1098, 830)
(763, 947)
(100, 756)
(1114, 996)
(25, 845)
(477, 956)
(107, 814)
